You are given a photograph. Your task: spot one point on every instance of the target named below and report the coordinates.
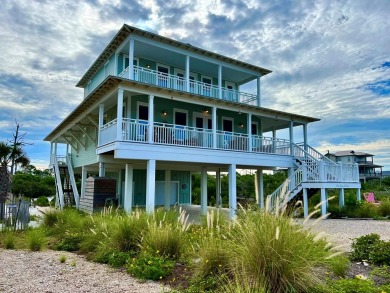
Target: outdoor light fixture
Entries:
(147, 65)
(241, 125)
(164, 113)
(206, 111)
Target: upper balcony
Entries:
(161, 62)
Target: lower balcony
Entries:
(139, 131)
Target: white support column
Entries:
(67, 149)
(258, 92)
(323, 202)
(167, 199)
(305, 204)
(131, 58)
(273, 139)
(128, 192)
(341, 197)
(260, 186)
(102, 169)
(305, 136)
(232, 191)
(290, 172)
(218, 188)
(150, 186)
(220, 82)
(119, 115)
(214, 126)
(203, 191)
(291, 132)
(249, 131)
(83, 180)
(151, 119)
(358, 195)
(55, 149)
(188, 73)
(51, 153)
(101, 117)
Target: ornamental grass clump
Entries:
(166, 238)
(35, 239)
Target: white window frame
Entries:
(227, 83)
(141, 104)
(205, 76)
(182, 111)
(164, 66)
(227, 118)
(124, 60)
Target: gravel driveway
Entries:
(343, 231)
(25, 271)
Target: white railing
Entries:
(60, 191)
(232, 141)
(72, 180)
(278, 146)
(314, 153)
(107, 133)
(286, 191)
(161, 79)
(135, 130)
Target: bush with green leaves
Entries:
(357, 285)
(70, 242)
(150, 267)
(380, 253)
(362, 246)
(35, 239)
(384, 208)
(42, 201)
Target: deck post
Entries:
(128, 192)
(249, 131)
(83, 179)
(232, 191)
(131, 59)
(218, 188)
(214, 126)
(220, 82)
(260, 186)
(119, 117)
(258, 92)
(188, 73)
(167, 200)
(101, 117)
(323, 202)
(150, 185)
(341, 197)
(151, 119)
(291, 132)
(305, 204)
(358, 195)
(305, 136)
(102, 169)
(203, 191)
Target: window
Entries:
(206, 88)
(254, 129)
(162, 75)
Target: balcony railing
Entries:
(160, 79)
(136, 130)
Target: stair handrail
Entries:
(292, 182)
(72, 180)
(60, 191)
(314, 151)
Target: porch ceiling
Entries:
(272, 119)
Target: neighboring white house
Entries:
(367, 169)
(156, 109)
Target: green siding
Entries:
(184, 178)
(86, 156)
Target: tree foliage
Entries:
(33, 183)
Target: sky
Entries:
(330, 60)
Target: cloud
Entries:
(329, 59)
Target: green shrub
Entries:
(127, 233)
(380, 253)
(9, 240)
(150, 267)
(276, 254)
(50, 219)
(355, 285)
(384, 208)
(362, 246)
(42, 201)
(35, 239)
(118, 259)
(62, 258)
(339, 265)
(70, 242)
(366, 210)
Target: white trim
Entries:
(178, 70)
(227, 118)
(227, 83)
(257, 127)
(203, 116)
(141, 104)
(182, 111)
(124, 60)
(163, 66)
(206, 76)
